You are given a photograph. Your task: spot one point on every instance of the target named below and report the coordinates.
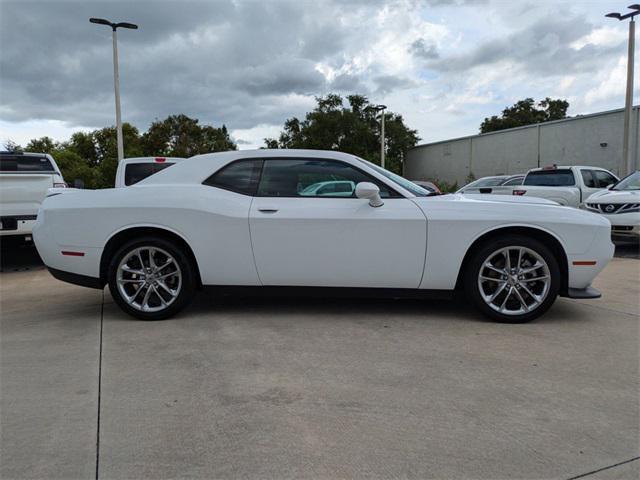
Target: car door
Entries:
(324, 240)
(589, 183)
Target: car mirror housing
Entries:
(369, 191)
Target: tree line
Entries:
(92, 156)
(349, 124)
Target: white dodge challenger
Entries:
(255, 219)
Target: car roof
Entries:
(198, 168)
(26, 154)
(565, 167)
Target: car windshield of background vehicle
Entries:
(550, 178)
(135, 172)
(630, 182)
(513, 181)
(25, 163)
(417, 190)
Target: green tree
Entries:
(11, 146)
(74, 167)
(525, 112)
(354, 128)
(41, 145)
(182, 136)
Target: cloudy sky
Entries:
(443, 64)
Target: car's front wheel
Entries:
(513, 279)
(151, 278)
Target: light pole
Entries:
(628, 103)
(116, 75)
(381, 108)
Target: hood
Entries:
(488, 198)
(615, 196)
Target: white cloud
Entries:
(604, 36)
(611, 84)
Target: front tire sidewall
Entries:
(472, 289)
(186, 268)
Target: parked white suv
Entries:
(133, 170)
(620, 204)
(25, 179)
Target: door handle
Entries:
(267, 209)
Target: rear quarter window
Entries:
(21, 163)
(550, 178)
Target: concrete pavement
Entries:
(250, 388)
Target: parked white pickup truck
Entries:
(569, 186)
(25, 179)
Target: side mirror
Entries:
(369, 191)
(77, 183)
(610, 185)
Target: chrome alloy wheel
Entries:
(514, 280)
(149, 279)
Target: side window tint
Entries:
(314, 178)
(240, 177)
(604, 179)
(587, 177)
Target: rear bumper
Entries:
(588, 292)
(77, 279)
(17, 225)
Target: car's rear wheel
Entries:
(513, 279)
(151, 278)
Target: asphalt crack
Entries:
(604, 468)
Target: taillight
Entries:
(519, 192)
(160, 159)
(60, 185)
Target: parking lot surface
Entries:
(272, 388)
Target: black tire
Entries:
(187, 283)
(477, 261)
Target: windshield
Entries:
(486, 182)
(417, 190)
(630, 182)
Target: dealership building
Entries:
(594, 139)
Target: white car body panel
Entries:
(410, 242)
(456, 221)
(337, 242)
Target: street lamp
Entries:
(628, 104)
(116, 75)
(381, 108)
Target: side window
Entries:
(314, 178)
(240, 177)
(604, 179)
(587, 178)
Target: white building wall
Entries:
(585, 140)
